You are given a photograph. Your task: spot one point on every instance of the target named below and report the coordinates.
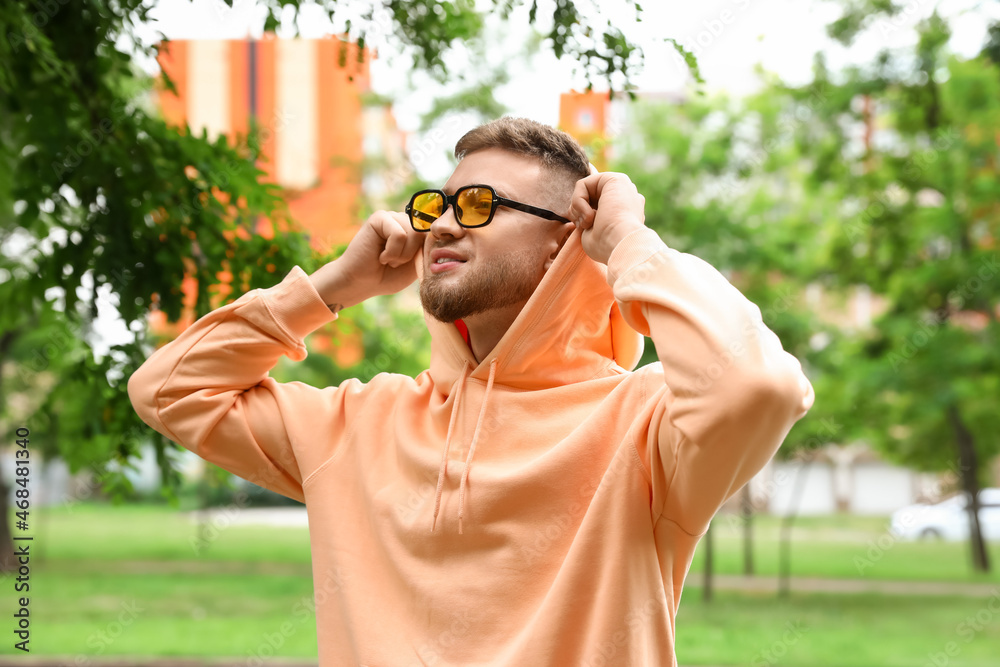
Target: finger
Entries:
(414, 239)
(581, 211)
(593, 169)
(395, 240)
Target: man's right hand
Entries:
(380, 259)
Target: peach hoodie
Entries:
(538, 508)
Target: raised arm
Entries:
(730, 393)
(209, 389)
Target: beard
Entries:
(506, 280)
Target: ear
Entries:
(567, 229)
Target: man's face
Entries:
(501, 264)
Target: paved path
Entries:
(816, 585)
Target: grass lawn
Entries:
(211, 613)
(127, 581)
(836, 631)
(835, 547)
(154, 532)
(848, 547)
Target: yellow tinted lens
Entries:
(475, 205)
(427, 208)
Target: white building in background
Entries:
(52, 484)
(850, 479)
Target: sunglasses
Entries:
(475, 206)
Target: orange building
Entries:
(309, 113)
(308, 108)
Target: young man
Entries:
(528, 500)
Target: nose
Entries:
(447, 225)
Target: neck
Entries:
(487, 328)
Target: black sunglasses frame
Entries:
(498, 201)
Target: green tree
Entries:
(102, 203)
(880, 178)
(920, 223)
(888, 182)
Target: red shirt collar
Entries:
(464, 330)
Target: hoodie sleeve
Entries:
(209, 390)
(732, 393)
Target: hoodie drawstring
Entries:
(472, 447)
(447, 443)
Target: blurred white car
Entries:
(948, 519)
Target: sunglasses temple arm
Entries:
(527, 208)
(549, 215)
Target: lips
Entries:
(443, 259)
(445, 254)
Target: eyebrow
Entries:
(500, 191)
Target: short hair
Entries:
(555, 149)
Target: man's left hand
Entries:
(606, 206)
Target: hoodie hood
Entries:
(570, 330)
